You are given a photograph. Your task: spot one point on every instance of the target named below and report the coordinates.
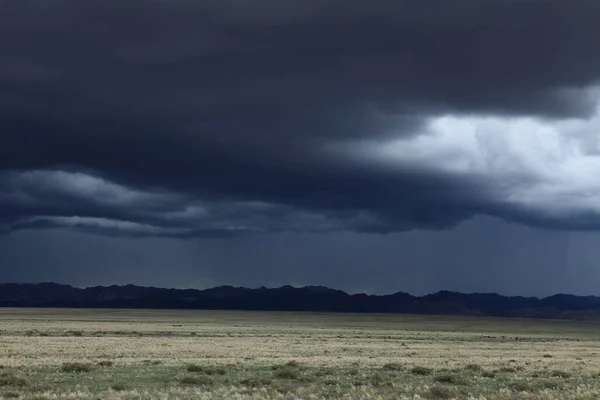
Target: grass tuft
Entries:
(522, 387)
(194, 368)
(560, 374)
(198, 380)
(452, 379)
(488, 374)
(417, 370)
(552, 385)
(206, 370)
(474, 368)
(151, 362)
(77, 367)
(320, 372)
(286, 373)
(293, 364)
(120, 387)
(442, 392)
(215, 371)
(9, 379)
(393, 367)
(256, 382)
(106, 363)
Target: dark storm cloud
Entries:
(214, 117)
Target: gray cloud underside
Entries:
(212, 118)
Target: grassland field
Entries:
(142, 354)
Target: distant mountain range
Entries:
(288, 298)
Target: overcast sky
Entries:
(374, 146)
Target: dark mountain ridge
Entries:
(288, 298)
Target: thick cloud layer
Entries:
(216, 118)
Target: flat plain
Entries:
(165, 354)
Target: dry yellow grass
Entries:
(133, 354)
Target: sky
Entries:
(370, 146)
